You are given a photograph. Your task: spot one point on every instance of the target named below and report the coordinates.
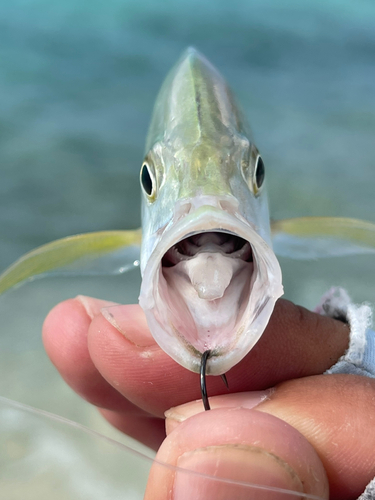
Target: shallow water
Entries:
(77, 84)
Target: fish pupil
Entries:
(146, 180)
(259, 173)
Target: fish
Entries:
(207, 246)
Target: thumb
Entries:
(335, 413)
(236, 453)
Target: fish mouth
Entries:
(210, 284)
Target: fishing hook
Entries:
(205, 357)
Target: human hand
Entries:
(310, 431)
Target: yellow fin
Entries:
(84, 251)
(316, 237)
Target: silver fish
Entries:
(210, 276)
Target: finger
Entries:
(132, 362)
(335, 413)
(240, 445)
(65, 339)
(297, 343)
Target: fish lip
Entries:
(204, 219)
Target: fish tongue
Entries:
(210, 274)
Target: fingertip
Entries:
(65, 332)
(65, 328)
(130, 321)
(62, 330)
(93, 306)
(235, 444)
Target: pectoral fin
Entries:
(105, 252)
(316, 237)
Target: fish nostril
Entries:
(229, 206)
(184, 209)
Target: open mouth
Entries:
(210, 283)
(206, 280)
(208, 241)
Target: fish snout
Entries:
(188, 206)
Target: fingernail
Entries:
(130, 321)
(229, 464)
(247, 400)
(93, 306)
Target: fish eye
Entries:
(259, 174)
(148, 182)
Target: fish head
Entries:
(209, 276)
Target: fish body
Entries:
(210, 277)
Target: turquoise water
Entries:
(78, 80)
(77, 84)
